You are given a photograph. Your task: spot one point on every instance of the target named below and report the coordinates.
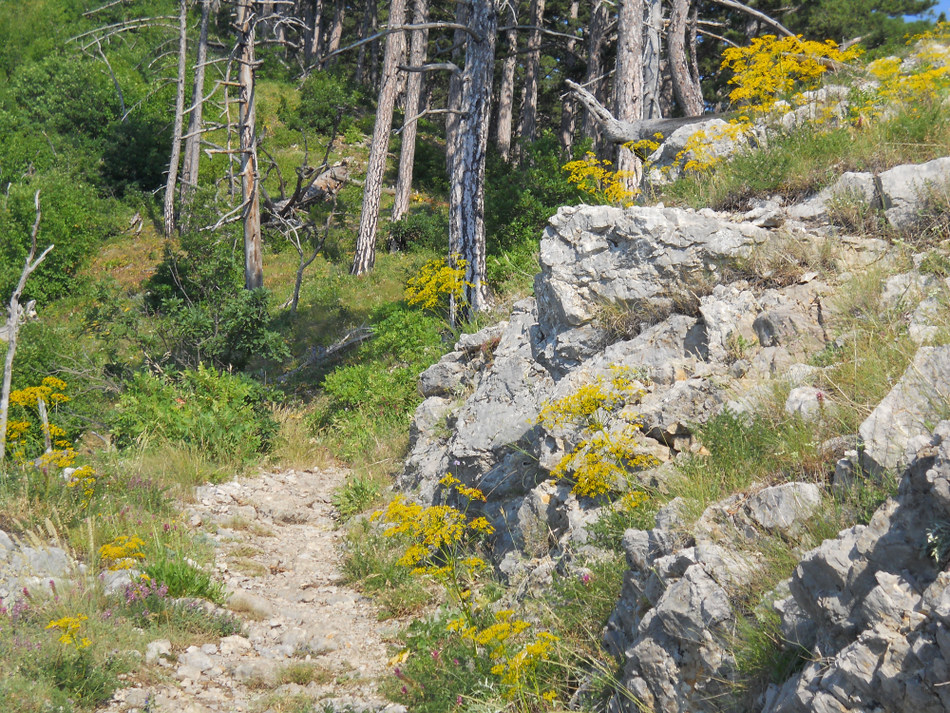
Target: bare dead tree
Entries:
(172, 179)
(567, 102)
(192, 157)
(250, 187)
(688, 93)
(418, 41)
(616, 131)
(14, 321)
(365, 256)
(532, 63)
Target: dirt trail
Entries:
(278, 550)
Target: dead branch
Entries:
(14, 320)
(322, 355)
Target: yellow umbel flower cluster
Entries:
(609, 446)
(921, 77)
(437, 281)
(513, 662)
(123, 552)
(69, 628)
(432, 531)
(50, 391)
(770, 69)
(597, 179)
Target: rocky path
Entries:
(278, 550)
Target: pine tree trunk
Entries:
(652, 49)
(467, 192)
(454, 103)
(628, 79)
(336, 28)
(365, 256)
(312, 35)
(366, 29)
(688, 94)
(192, 157)
(506, 96)
(568, 104)
(595, 64)
(694, 49)
(172, 180)
(529, 105)
(250, 190)
(418, 41)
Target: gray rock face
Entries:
(905, 190)
(32, 568)
(641, 258)
(921, 396)
(880, 605)
(667, 161)
(902, 192)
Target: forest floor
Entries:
(308, 640)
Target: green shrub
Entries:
(207, 315)
(136, 154)
(73, 219)
(323, 96)
(420, 230)
(71, 96)
(222, 414)
(355, 495)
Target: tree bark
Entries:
(418, 41)
(506, 94)
(628, 80)
(454, 104)
(172, 179)
(367, 29)
(365, 256)
(529, 103)
(13, 325)
(192, 157)
(250, 189)
(336, 28)
(567, 104)
(688, 94)
(467, 193)
(595, 66)
(314, 39)
(653, 22)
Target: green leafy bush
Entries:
(73, 219)
(425, 229)
(72, 96)
(322, 97)
(222, 414)
(208, 317)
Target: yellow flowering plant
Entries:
(27, 432)
(439, 538)
(609, 446)
(920, 78)
(597, 179)
(769, 68)
(438, 282)
(514, 658)
(70, 631)
(123, 552)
